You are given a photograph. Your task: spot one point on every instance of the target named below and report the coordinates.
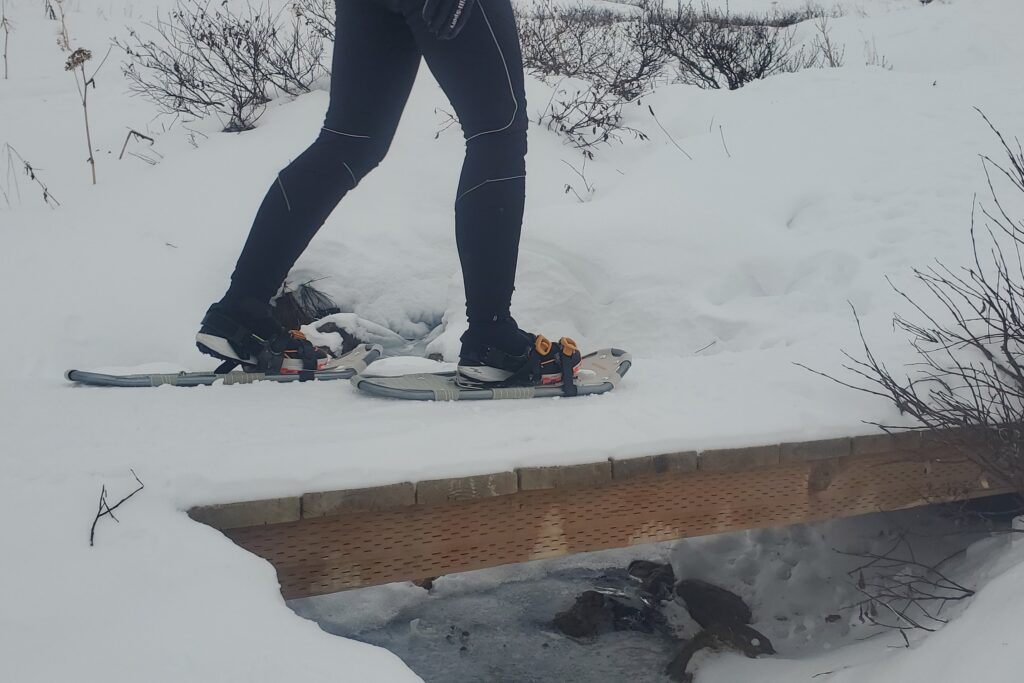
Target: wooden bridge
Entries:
(328, 541)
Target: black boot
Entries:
(499, 354)
(245, 333)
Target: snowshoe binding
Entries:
(246, 334)
(517, 359)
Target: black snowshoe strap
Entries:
(308, 371)
(569, 363)
(226, 367)
(497, 358)
(269, 361)
(305, 349)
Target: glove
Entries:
(445, 18)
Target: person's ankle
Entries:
(254, 314)
(503, 334)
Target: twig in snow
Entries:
(667, 134)
(721, 133)
(590, 189)
(705, 348)
(148, 159)
(5, 24)
(192, 133)
(31, 172)
(139, 136)
(106, 509)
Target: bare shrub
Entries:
(829, 53)
(201, 60)
(587, 116)
(297, 55)
(318, 15)
(716, 49)
(900, 592)
(597, 61)
(968, 384)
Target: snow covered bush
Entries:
(969, 381)
(597, 61)
(201, 60)
(618, 52)
(715, 49)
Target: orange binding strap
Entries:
(568, 346)
(542, 344)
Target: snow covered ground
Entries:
(805, 192)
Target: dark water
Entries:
(502, 633)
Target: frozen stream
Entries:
(503, 633)
(495, 625)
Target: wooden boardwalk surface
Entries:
(324, 542)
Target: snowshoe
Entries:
(598, 373)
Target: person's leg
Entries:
(374, 66)
(481, 72)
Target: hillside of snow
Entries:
(804, 193)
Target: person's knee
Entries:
(505, 144)
(356, 154)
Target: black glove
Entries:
(445, 18)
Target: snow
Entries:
(805, 192)
(980, 644)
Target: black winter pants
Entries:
(376, 56)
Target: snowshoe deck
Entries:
(600, 372)
(344, 367)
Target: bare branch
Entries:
(108, 510)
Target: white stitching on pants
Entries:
(348, 135)
(349, 169)
(507, 75)
(489, 180)
(286, 202)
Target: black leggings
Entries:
(376, 56)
